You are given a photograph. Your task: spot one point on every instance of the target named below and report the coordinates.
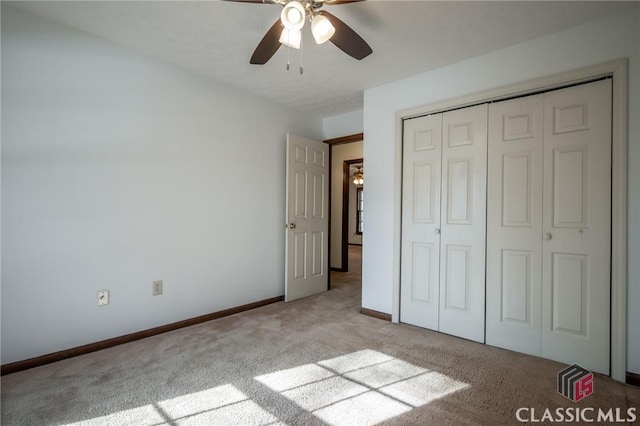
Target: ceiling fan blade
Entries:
(346, 39)
(253, 1)
(332, 2)
(268, 45)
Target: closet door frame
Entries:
(617, 70)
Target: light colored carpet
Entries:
(310, 362)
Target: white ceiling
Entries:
(217, 38)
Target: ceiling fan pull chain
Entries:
(288, 60)
(301, 56)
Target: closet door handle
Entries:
(437, 231)
(547, 236)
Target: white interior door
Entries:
(577, 226)
(514, 224)
(463, 222)
(420, 264)
(307, 227)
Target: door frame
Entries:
(356, 137)
(618, 71)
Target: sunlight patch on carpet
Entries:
(295, 377)
(215, 406)
(242, 413)
(361, 388)
(224, 404)
(366, 409)
(144, 416)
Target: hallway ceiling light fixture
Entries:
(358, 177)
(324, 26)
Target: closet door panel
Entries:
(577, 224)
(514, 224)
(462, 263)
(420, 258)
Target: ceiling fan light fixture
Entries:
(322, 29)
(291, 38)
(292, 15)
(325, 25)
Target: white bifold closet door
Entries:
(420, 255)
(443, 222)
(514, 224)
(549, 225)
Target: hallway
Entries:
(352, 278)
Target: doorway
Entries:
(345, 153)
(352, 210)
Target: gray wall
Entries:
(349, 123)
(118, 170)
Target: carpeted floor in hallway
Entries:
(314, 361)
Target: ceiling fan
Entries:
(324, 26)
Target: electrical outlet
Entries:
(103, 297)
(157, 288)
